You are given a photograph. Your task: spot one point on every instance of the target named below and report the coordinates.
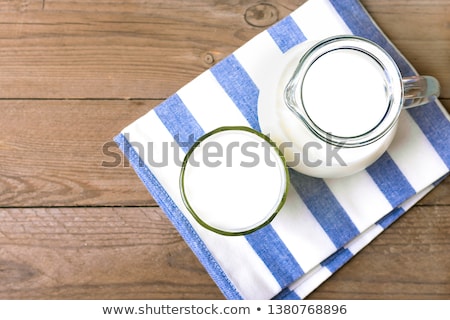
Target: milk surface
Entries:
(234, 181)
(345, 93)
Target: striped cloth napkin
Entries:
(324, 222)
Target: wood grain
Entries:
(56, 153)
(409, 261)
(61, 153)
(88, 253)
(75, 224)
(112, 49)
(134, 253)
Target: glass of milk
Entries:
(338, 104)
(234, 180)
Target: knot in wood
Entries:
(208, 58)
(261, 15)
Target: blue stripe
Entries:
(179, 221)
(286, 294)
(429, 118)
(240, 88)
(361, 24)
(390, 180)
(274, 253)
(324, 206)
(270, 248)
(435, 126)
(179, 122)
(391, 217)
(337, 260)
(286, 34)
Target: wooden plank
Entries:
(8, 6)
(53, 154)
(97, 253)
(113, 49)
(409, 260)
(439, 196)
(69, 70)
(135, 253)
(61, 153)
(104, 49)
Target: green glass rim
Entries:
(270, 216)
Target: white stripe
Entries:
(210, 104)
(301, 233)
(234, 254)
(242, 265)
(414, 154)
(151, 133)
(364, 207)
(319, 26)
(309, 282)
(260, 64)
(362, 240)
(409, 203)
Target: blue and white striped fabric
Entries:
(324, 222)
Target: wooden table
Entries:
(73, 74)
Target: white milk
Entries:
(345, 93)
(234, 181)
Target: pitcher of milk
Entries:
(337, 105)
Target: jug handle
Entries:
(419, 90)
